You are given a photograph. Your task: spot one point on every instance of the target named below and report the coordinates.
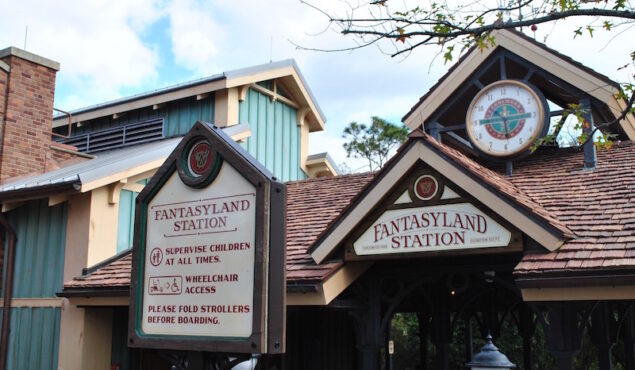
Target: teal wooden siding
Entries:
(179, 116)
(125, 228)
(34, 338)
(39, 268)
(39, 252)
(275, 135)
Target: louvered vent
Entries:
(112, 138)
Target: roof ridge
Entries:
(319, 179)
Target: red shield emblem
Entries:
(426, 187)
(200, 158)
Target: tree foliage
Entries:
(374, 142)
(465, 23)
(456, 26)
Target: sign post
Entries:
(208, 257)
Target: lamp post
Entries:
(490, 358)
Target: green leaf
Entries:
(447, 57)
(590, 29)
(577, 32)
(619, 4)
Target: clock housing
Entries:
(506, 118)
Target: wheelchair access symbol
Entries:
(165, 285)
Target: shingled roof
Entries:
(594, 208)
(597, 205)
(311, 205)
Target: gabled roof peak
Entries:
(580, 77)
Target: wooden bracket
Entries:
(6, 207)
(242, 92)
(301, 115)
(202, 96)
(114, 190)
(57, 199)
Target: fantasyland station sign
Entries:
(208, 261)
(434, 228)
(424, 215)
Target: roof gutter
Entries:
(589, 279)
(94, 292)
(40, 191)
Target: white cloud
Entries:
(96, 42)
(195, 34)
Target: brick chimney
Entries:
(27, 90)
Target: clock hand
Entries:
(504, 123)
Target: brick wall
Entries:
(26, 136)
(4, 78)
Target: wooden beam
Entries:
(35, 302)
(272, 94)
(99, 301)
(134, 186)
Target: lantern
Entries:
(490, 358)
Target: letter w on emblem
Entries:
(201, 157)
(425, 187)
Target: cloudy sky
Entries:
(111, 49)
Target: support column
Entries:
(424, 328)
(603, 334)
(440, 330)
(629, 338)
(367, 329)
(563, 332)
(469, 348)
(587, 129)
(527, 329)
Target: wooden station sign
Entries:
(424, 216)
(208, 260)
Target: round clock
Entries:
(506, 117)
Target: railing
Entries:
(117, 137)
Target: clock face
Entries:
(505, 118)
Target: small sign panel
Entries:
(434, 228)
(199, 275)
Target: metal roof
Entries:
(237, 73)
(103, 165)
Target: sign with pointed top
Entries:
(208, 257)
